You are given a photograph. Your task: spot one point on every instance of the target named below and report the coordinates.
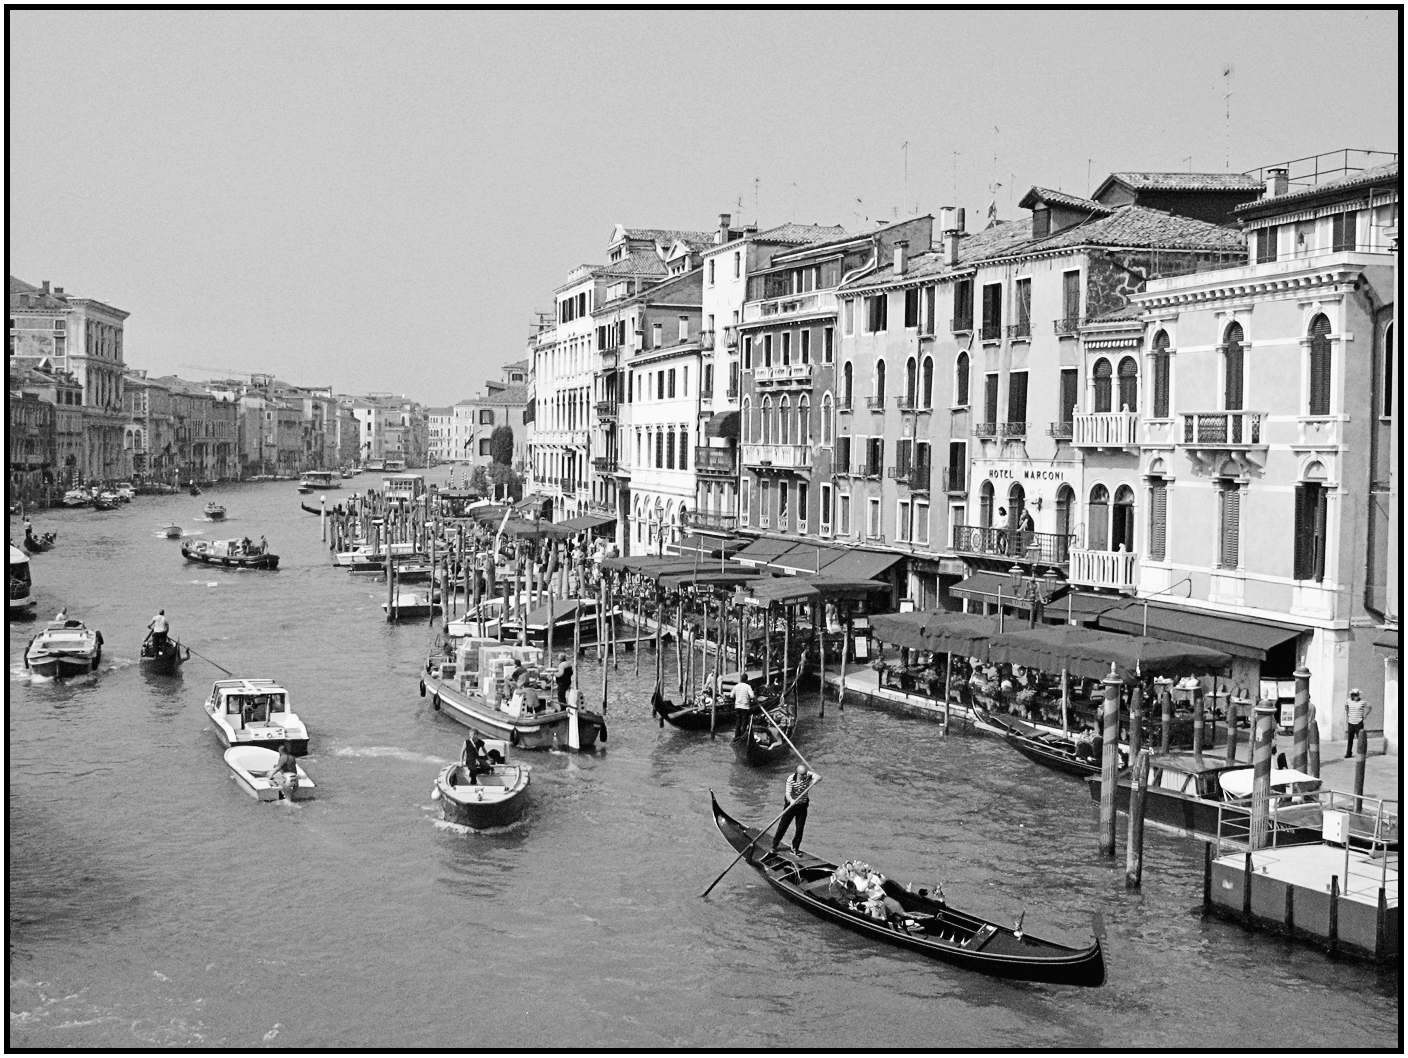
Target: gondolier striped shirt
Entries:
(797, 788)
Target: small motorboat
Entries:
(257, 713)
(172, 531)
(756, 740)
(253, 768)
(195, 489)
(235, 554)
(77, 498)
(65, 648)
(367, 554)
(101, 504)
(925, 924)
(413, 605)
(346, 473)
(164, 660)
(215, 512)
(125, 491)
(488, 800)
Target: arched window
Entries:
(911, 380)
(926, 383)
(1129, 384)
(804, 420)
(1065, 509)
(960, 381)
(1312, 508)
(1097, 522)
(1102, 385)
(880, 380)
(828, 422)
(1122, 526)
(750, 430)
(985, 505)
(847, 378)
(1016, 504)
(784, 421)
(767, 420)
(1160, 363)
(1320, 366)
(1232, 356)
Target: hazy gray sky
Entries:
(378, 200)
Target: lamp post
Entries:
(1035, 591)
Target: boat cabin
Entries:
(17, 579)
(1194, 776)
(394, 465)
(404, 488)
(320, 479)
(242, 703)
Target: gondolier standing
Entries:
(159, 627)
(795, 797)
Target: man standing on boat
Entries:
(564, 677)
(158, 628)
(794, 796)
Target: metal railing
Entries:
(710, 520)
(900, 473)
(1067, 325)
(608, 409)
(904, 402)
(985, 429)
(1012, 429)
(604, 464)
(730, 337)
(1020, 329)
(706, 339)
(991, 332)
(1050, 548)
(1223, 429)
(1106, 429)
(875, 403)
(961, 324)
(1060, 430)
(845, 405)
(1105, 569)
(715, 460)
(777, 455)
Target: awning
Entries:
(985, 586)
(960, 633)
(764, 549)
(707, 546)
(488, 513)
(860, 565)
(902, 629)
(722, 424)
(708, 576)
(586, 521)
(1083, 607)
(522, 527)
(806, 558)
(652, 566)
(1387, 641)
(842, 588)
(780, 590)
(1244, 637)
(1090, 654)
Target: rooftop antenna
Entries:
(904, 149)
(858, 213)
(757, 183)
(1011, 190)
(955, 177)
(1227, 114)
(794, 201)
(1189, 160)
(1088, 163)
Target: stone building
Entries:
(153, 433)
(63, 393)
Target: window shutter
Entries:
(1304, 533)
(1233, 357)
(1017, 397)
(1069, 383)
(990, 405)
(1318, 549)
(1158, 520)
(843, 452)
(1161, 385)
(1320, 366)
(1231, 519)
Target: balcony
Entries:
(955, 479)
(1106, 429)
(961, 324)
(610, 356)
(720, 461)
(1020, 330)
(875, 403)
(919, 478)
(784, 374)
(730, 337)
(985, 430)
(1061, 431)
(898, 474)
(732, 395)
(724, 523)
(991, 332)
(607, 410)
(1222, 429)
(904, 403)
(706, 340)
(1052, 549)
(816, 301)
(706, 402)
(604, 464)
(788, 457)
(843, 404)
(1105, 569)
(1012, 429)
(1070, 325)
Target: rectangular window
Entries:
(659, 451)
(1161, 364)
(1070, 298)
(670, 450)
(737, 264)
(806, 348)
(911, 307)
(921, 523)
(782, 512)
(1070, 387)
(764, 504)
(767, 350)
(711, 271)
(684, 449)
(1310, 531)
(745, 497)
(828, 345)
(826, 508)
(484, 446)
(748, 353)
(957, 466)
(850, 315)
(843, 523)
(902, 521)
(786, 348)
(659, 385)
(963, 305)
(684, 328)
(930, 301)
(1017, 397)
(802, 507)
(992, 310)
(872, 528)
(875, 465)
(1158, 519)
(670, 386)
(732, 379)
(1319, 375)
(1265, 245)
(708, 388)
(990, 399)
(903, 451)
(657, 335)
(841, 458)
(877, 313)
(1342, 231)
(1229, 520)
(1024, 307)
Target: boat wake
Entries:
(205, 583)
(390, 751)
(460, 828)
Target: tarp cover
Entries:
(860, 565)
(902, 629)
(806, 558)
(1243, 637)
(586, 521)
(1089, 654)
(764, 549)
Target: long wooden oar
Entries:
(746, 848)
(778, 728)
(198, 654)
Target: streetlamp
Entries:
(1035, 591)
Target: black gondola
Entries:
(195, 489)
(164, 660)
(694, 716)
(756, 740)
(310, 510)
(929, 927)
(1055, 751)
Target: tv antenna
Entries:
(1227, 115)
(904, 149)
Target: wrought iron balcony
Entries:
(991, 332)
(1012, 429)
(1067, 325)
(730, 337)
(904, 402)
(732, 394)
(1047, 548)
(844, 404)
(1106, 429)
(1222, 429)
(790, 457)
(986, 430)
(1059, 430)
(723, 461)
(875, 403)
(961, 324)
(706, 339)
(607, 410)
(725, 523)
(604, 464)
(1019, 330)
(1105, 569)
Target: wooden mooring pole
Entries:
(1264, 731)
(1361, 759)
(1109, 769)
(1134, 846)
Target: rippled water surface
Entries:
(151, 902)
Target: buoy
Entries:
(435, 794)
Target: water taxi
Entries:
(79, 497)
(255, 713)
(318, 479)
(412, 605)
(215, 512)
(236, 554)
(367, 553)
(65, 648)
(21, 593)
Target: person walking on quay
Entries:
(1356, 711)
(794, 796)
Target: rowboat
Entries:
(564, 619)
(231, 553)
(215, 512)
(164, 660)
(64, 648)
(493, 800)
(38, 544)
(253, 768)
(474, 687)
(928, 926)
(255, 712)
(756, 740)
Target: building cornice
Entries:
(1242, 288)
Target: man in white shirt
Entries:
(159, 627)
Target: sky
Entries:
(379, 201)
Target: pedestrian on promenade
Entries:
(1356, 711)
(794, 797)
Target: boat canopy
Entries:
(1090, 654)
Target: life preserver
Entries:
(422, 688)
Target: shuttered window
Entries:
(1129, 385)
(1343, 225)
(1158, 519)
(1024, 306)
(1161, 379)
(842, 460)
(961, 381)
(1310, 532)
(1017, 397)
(1320, 366)
(963, 305)
(1070, 383)
(1232, 354)
(1070, 296)
(911, 307)
(1229, 519)
(1103, 375)
(990, 400)
(902, 453)
(1265, 245)
(992, 310)
(1097, 527)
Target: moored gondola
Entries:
(757, 738)
(928, 925)
(700, 714)
(310, 510)
(1058, 752)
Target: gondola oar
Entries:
(810, 787)
(198, 654)
(778, 728)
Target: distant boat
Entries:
(164, 660)
(64, 648)
(195, 489)
(253, 768)
(215, 512)
(318, 479)
(101, 504)
(230, 553)
(756, 741)
(77, 498)
(17, 577)
(411, 605)
(37, 544)
(172, 531)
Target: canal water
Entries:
(152, 903)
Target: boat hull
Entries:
(950, 935)
(688, 718)
(251, 766)
(166, 663)
(261, 739)
(483, 807)
(757, 744)
(265, 561)
(63, 666)
(542, 731)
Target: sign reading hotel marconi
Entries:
(1027, 474)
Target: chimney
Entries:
(724, 220)
(58, 292)
(46, 288)
(901, 256)
(959, 225)
(1277, 182)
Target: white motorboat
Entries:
(77, 498)
(253, 768)
(480, 801)
(172, 531)
(21, 588)
(367, 552)
(255, 713)
(65, 648)
(413, 605)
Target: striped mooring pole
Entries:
(1300, 742)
